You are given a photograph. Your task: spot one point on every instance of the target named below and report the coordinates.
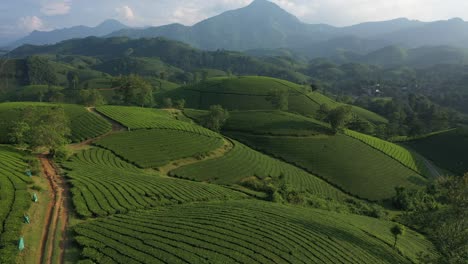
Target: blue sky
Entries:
(19, 17)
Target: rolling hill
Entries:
(446, 149)
(251, 93)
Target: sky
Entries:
(20, 17)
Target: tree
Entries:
(167, 103)
(322, 112)
(339, 117)
(397, 230)
(73, 79)
(216, 118)
(279, 99)
(204, 75)
(91, 97)
(134, 90)
(40, 71)
(179, 104)
(41, 127)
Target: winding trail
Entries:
(56, 223)
(214, 154)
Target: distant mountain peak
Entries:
(261, 2)
(108, 22)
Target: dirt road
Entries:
(57, 215)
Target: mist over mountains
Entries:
(263, 25)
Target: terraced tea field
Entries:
(251, 92)
(242, 162)
(399, 153)
(158, 147)
(268, 122)
(84, 124)
(103, 184)
(450, 149)
(348, 163)
(14, 201)
(242, 232)
(146, 118)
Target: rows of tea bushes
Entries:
(243, 232)
(14, 201)
(157, 147)
(106, 186)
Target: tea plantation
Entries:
(251, 93)
(348, 163)
(242, 162)
(157, 147)
(102, 184)
(84, 124)
(243, 232)
(451, 149)
(14, 201)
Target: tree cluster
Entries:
(41, 127)
(440, 211)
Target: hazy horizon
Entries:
(45, 15)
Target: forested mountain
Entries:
(264, 25)
(54, 36)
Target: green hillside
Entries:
(447, 149)
(251, 93)
(14, 200)
(103, 184)
(244, 232)
(83, 124)
(241, 163)
(346, 162)
(155, 148)
(267, 122)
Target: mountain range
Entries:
(263, 25)
(54, 36)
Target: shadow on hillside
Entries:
(377, 248)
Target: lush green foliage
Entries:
(83, 124)
(134, 90)
(346, 162)
(154, 148)
(215, 118)
(440, 210)
(339, 117)
(103, 184)
(241, 163)
(243, 232)
(41, 127)
(14, 201)
(399, 153)
(447, 150)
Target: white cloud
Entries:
(125, 12)
(30, 23)
(54, 8)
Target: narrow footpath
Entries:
(54, 240)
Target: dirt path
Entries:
(217, 153)
(116, 127)
(57, 215)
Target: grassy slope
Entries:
(342, 160)
(245, 232)
(447, 150)
(249, 93)
(84, 125)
